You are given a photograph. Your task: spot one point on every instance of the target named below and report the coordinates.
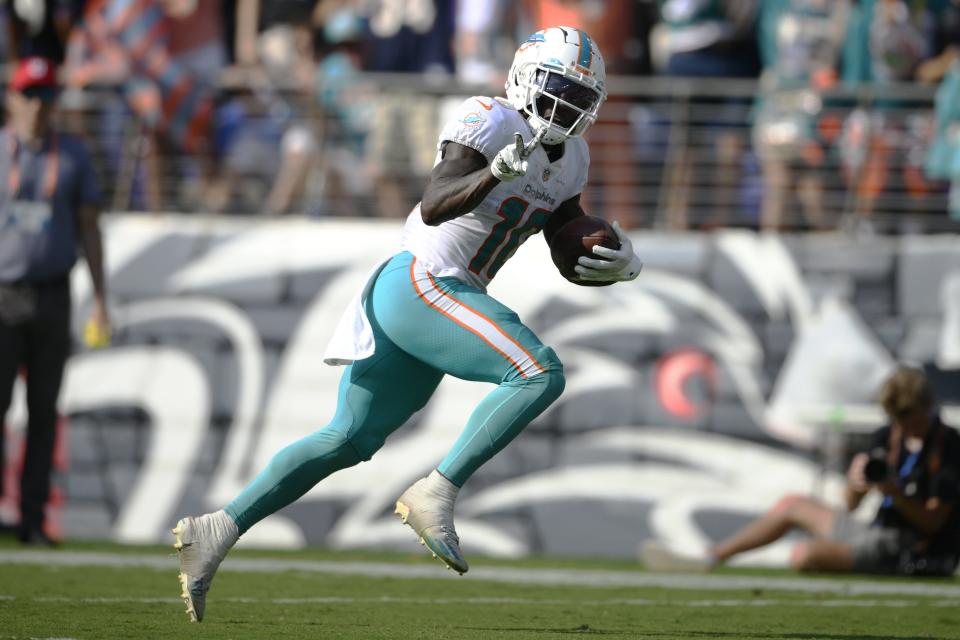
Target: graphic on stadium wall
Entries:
(696, 395)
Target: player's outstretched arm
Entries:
(462, 178)
(457, 184)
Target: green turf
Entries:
(94, 603)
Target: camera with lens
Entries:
(877, 468)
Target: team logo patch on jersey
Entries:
(472, 119)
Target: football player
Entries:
(505, 169)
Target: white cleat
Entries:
(201, 543)
(431, 518)
(657, 557)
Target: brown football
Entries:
(577, 238)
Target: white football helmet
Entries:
(557, 80)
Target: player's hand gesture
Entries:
(613, 265)
(511, 162)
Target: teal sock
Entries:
(497, 420)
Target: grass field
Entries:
(106, 591)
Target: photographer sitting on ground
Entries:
(914, 462)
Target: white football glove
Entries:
(619, 264)
(511, 162)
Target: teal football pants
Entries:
(424, 327)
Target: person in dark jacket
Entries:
(49, 209)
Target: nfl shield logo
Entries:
(546, 174)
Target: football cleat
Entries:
(201, 543)
(431, 518)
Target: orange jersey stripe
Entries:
(490, 320)
(423, 296)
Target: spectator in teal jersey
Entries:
(707, 38)
(886, 42)
(348, 101)
(943, 158)
(942, 161)
(800, 43)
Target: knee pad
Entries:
(551, 377)
(548, 359)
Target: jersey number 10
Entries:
(507, 235)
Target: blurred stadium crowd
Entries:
(771, 114)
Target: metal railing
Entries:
(676, 153)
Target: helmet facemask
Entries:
(563, 105)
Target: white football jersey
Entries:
(473, 247)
